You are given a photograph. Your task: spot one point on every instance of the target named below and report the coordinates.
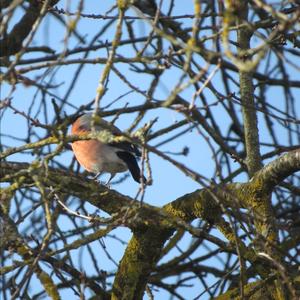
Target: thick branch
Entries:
(253, 159)
(184, 207)
(12, 43)
(138, 262)
(153, 226)
(276, 171)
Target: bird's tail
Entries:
(132, 165)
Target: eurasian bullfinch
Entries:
(99, 157)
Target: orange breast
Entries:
(95, 156)
(87, 154)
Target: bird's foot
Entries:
(112, 175)
(103, 183)
(96, 176)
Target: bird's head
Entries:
(89, 120)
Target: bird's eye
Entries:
(82, 127)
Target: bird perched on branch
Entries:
(105, 157)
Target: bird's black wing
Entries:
(126, 147)
(132, 165)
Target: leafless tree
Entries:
(230, 74)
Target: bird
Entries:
(99, 157)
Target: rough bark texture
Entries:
(152, 227)
(219, 63)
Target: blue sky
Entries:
(169, 182)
